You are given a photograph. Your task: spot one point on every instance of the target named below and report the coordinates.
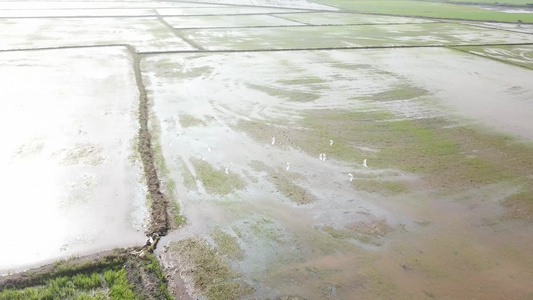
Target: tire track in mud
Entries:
(159, 223)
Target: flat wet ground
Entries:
(308, 154)
(71, 183)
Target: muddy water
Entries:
(414, 245)
(70, 181)
(497, 95)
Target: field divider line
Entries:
(244, 14)
(287, 19)
(64, 47)
(327, 48)
(265, 50)
(262, 6)
(80, 17)
(493, 28)
(95, 8)
(296, 25)
(159, 219)
(177, 33)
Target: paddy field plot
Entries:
(350, 36)
(220, 21)
(71, 181)
(271, 158)
(145, 34)
(518, 55)
(297, 149)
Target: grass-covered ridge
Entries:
(111, 283)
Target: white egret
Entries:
(364, 163)
(351, 176)
(273, 140)
(330, 142)
(288, 166)
(226, 170)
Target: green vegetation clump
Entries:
(119, 287)
(286, 93)
(385, 187)
(208, 270)
(217, 181)
(152, 265)
(227, 244)
(399, 93)
(111, 284)
(284, 183)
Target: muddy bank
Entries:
(159, 222)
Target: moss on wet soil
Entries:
(227, 244)
(284, 183)
(210, 274)
(217, 181)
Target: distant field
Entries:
(517, 55)
(501, 2)
(429, 9)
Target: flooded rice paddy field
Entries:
(71, 183)
(311, 154)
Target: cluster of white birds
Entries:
(322, 157)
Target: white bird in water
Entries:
(351, 176)
(364, 163)
(322, 156)
(273, 140)
(208, 149)
(226, 170)
(330, 142)
(288, 166)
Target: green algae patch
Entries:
(217, 181)
(190, 121)
(402, 92)
(227, 244)
(384, 187)
(84, 153)
(371, 232)
(209, 273)
(290, 94)
(284, 183)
